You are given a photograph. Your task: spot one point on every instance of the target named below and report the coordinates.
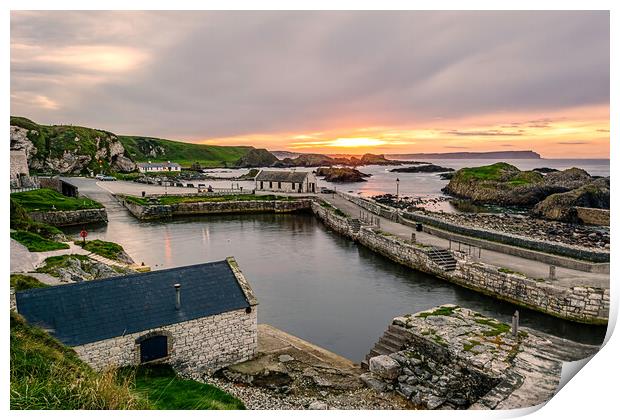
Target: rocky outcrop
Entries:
(341, 174)
(504, 184)
(78, 268)
(455, 358)
(430, 168)
(68, 149)
(562, 206)
(256, 158)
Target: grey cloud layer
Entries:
(210, 74)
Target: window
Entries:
(270, 184)
(261, 185)
(279, 185)
(153, 348)
(293, 186)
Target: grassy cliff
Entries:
(142, 149)
(74, 149)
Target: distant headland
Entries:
(508, 154)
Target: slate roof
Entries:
(282, 176)
(86, 312)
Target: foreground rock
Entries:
(563, 206)
(504, 184)
(341, 174)
(78, 268)
(290, 373)
(454, 358)
(423, 169)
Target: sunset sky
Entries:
(327, 82)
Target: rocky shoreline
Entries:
(582, 236)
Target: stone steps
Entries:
(394, 339)
(443, 258)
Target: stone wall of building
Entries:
(587, 305)
(70, 218)
(158, 211)
(488, 235)
(198, 346)
(589, 216)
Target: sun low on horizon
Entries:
(222, 78)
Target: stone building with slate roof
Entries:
(286, 181)
(198, 318)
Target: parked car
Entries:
(102, 177)
(327, 191)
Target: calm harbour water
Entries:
(310, 281)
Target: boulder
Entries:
(373, 382)
(384, 367)
(341, 174)
(318, 405)
(561, 206)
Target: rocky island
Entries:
(551, 195)
(430, 168)
(341, 175)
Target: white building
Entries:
(286, 181)
(159, 167)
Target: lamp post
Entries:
(397, 185)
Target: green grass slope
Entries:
(46, 375)
(49, 200)
(143, 149)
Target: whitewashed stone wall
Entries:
(198, 346)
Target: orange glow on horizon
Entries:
(578, 133)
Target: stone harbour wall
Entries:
(158, 211)
(489, 235)
(69, 218)
(587, 305)
(197, 346)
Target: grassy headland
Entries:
(140, 149)
(35, 236)
(49, 200)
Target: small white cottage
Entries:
(286, 181)
(149, 166)
(197, 318)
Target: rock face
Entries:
(562, 206)
(455, 358)
(341, 174)
(68, 149)
(257, 158)
(504, 184)
(77, 268)
(430, 168)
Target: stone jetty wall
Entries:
(488, 235)
(159, 211)
(69, 218)
(455, 358)
(587, 305)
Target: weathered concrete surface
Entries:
(457, 358)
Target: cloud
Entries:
(573, 142)
(484, 133)
(208, 74)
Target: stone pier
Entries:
(454, 358)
